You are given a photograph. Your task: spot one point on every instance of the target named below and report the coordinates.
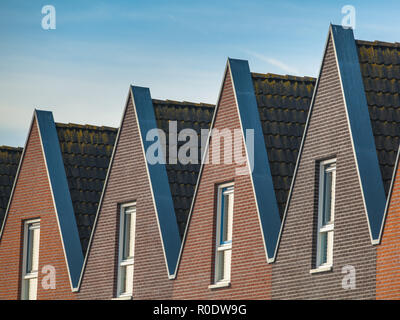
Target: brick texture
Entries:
(250, 274)
(32, 199)
(128, 182)
(388, 258)
(328, 136)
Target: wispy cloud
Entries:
(275, 62)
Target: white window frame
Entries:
(326, 229)
(28, 277)
(223, 247)
(124, 263)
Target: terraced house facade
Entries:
(52, 207)
(305, 207)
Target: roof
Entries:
(380, 69)
(283, 103)
(182, 178)
(86, 151)
(9, 161)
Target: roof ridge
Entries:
(184, 103)
(378, 43)
(282, 77)
(84, 126)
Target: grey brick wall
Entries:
(328, 136)
(128, 182)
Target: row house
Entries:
(231, 236)
(329, 243)
(137, 234)
(52, 207)
(287, 188)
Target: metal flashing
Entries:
(360, 127)
(261, 177)
(61, 194)
(158, 179)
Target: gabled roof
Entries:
(283, 103)
(76, 158)
(380, 69)
(368, 73)
(9, 161)
(182, 178)
(86, 152)
(171, 187)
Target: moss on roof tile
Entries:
(380, 69)
(182, 178)
(86, 152)
(283, 103)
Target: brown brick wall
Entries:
(128, 182)
(328, 136)
(250, 274)
(32, 199)
(388, 252)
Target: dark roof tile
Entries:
(86, 152)
(380, 69)
(9, 161)
(182, 178)
(283, 104)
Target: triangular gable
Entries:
(261, 177)
(158, 179)
(261, 174)
(360, 127)
(156, 114)
(359, 123)
(60, 193)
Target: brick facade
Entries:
(128, 182)
(250, 274)
(388, 258)
(32, 199)
(352, 245)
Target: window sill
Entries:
(123, 298)
(321, 269)
(218, 285)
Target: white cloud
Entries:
(275, 62)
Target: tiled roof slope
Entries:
(9, 161)
(283, 103)
(380, 69)
(182, 178)
(86, 151)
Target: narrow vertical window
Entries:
(126, 250)
(30, 260)
(224, 234)
(326, 213)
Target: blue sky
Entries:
(82, 70)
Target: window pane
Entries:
(32, 289)
(127, 235)
(32, 258)
(323, 248)
(227, 265)
(132, 234)
(122, 279)
(220, 265)
(329, 248)
(327, 204)
(225, 217)
(29, 250)
(35, 249)
(129, 279)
